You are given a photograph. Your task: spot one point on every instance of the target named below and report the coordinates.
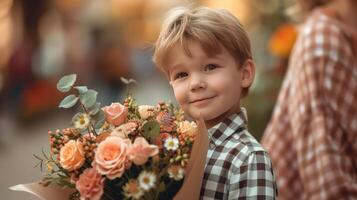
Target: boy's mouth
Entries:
(201, 99)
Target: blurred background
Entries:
(101, 41)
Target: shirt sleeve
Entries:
(324, 115)
(253, 179)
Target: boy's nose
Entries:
(196, 83)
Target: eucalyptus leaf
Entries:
(66, 82)
(94, 109)
(69, 101)
(151, 129)
(100, 120)
(89, 98)
(81, 89)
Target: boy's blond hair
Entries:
(210, 27)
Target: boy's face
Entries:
(203, 85)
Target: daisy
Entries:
(171, 143)
(176, 172)
(147, 180)
(132, 190)
(81, 121)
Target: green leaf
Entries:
(100, 119)
(66, 82)
(89, 98)
(94, 109)
(81, 89)
(69, 101)
(161, 187)
(151, 129)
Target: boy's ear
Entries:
(248, 73)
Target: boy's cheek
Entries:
(180, 95)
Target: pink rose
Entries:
(141, 150)
(90, 185)
(72, 155)
(115, 114)
(111, 157)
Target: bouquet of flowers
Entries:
(123, 151)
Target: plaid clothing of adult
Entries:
(237, 167)
(312, 136)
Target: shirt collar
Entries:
(230, 125)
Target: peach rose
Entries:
(141, 150)
(90, 185)
(72, 155)
(111, 157)
(115, 114)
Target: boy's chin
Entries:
(203, 115)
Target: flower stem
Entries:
(90, 121)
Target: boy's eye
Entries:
(180, 75)
(210, 67)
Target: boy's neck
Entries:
(211, 123)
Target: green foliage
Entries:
(55, 174)
(87, 101)
(81, 89)
(99, 120)
(69, 101)
(151, 129)
(89, 98)
(94, 109)
(65, 83)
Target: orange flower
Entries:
(72, 155)
(187, 130)
(282, 41)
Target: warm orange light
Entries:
(239, 8)
(282, 41)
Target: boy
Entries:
(205, 53)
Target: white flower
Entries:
(124, 130)
(176, 172)
(81, 121)
(147, 180)
(171, 143)
(146, 111)
(132, 190)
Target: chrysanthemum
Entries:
(176, 172)
(81, 121)
(171, 143)
(132, 190)
(167, 122)
(147, 180)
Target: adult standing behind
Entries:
(312, 136)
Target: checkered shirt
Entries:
(312, 136)
(237, 167)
